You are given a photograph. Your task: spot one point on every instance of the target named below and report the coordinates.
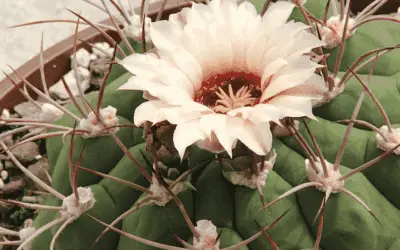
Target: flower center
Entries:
(228, 91)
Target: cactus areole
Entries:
(231, 125)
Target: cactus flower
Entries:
(221, 73)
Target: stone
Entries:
(40, 170)
(58, 90)
(28, 111)
(26, 152)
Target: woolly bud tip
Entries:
(316, 174)
(162, 194)
(96, 127)
(390, 139)
(248, 178)
(86, 202)
(330, 94)
(208, 235)
(332, 32)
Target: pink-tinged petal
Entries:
(304, 43)
(246, 10)
(186, 134)
(157, 111)
(211, 122)
(149, 97)
(310, 90)
(280, 43)
(274, 18)
(221, 59)
(174, 77)
(293, 106)
(145, 111)
(260, 113)
(196, 33)
(185, 113)
(223, 127)
(194, 40)
(185, 62)
(257, 137)
(271, 69)
(277, 15)
(169, 94)
(200, 16)
(152, 68)
(243, 27)
(223, 10)
(165, 35)
(181, 18)
(294, 73)
(175, 115)
(211, 144)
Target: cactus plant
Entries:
(132, 169)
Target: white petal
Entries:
(260, 113)
(244, 26)
(296, 72)
(185, 62)
(181, 18)
(211, 144)
(271, 69)
(274, 19)
(257, 138)
(171, 95)
(165, 35)
(305, 41)
(156, 111)
(174, 77)
(279, 44)
(224, 127)
(293, 106)
(145, 111)
(277, 14)
(186, 134)
(141, 64)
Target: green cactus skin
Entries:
(235, 209)
(370, 36)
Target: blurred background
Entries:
(18, 45)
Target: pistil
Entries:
(232, 101)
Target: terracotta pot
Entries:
(57, 61)
(57, 57)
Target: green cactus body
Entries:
(368, 37)
(235, 210)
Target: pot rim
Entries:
(57, 56)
